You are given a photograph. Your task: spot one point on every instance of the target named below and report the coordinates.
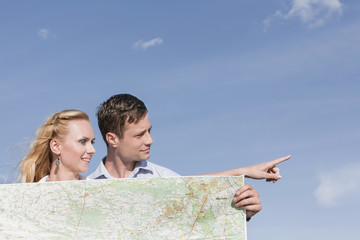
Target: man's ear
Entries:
(112, 139)
(55, 146)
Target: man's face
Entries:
(136, 141)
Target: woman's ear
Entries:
(55, 146)
(111, 139)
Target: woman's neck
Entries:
(60, 174)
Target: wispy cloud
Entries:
(144, 45)
(45, 33)
(337, 185)
(269, 20)
(313, 13)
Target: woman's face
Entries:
(76, 148)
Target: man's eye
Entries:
(141, 134)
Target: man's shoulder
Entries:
(160, 171)
(142, 169)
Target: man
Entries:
(124, 124)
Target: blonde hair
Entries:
(37, 163)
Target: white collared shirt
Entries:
(143, 169)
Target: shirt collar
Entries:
(140, 167)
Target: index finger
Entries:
(279, 160)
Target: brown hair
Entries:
(37, 163)
(118, 110)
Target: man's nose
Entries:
(149, 140)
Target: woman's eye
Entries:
(82, 141)
(93, 142)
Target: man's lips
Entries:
(147, 150)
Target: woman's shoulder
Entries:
(44, 179)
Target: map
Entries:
(147, 208)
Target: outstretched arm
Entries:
(265, 170)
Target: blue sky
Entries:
(227, 84)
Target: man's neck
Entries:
(118, 168)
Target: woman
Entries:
(62, 149)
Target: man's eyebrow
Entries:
(143, 131)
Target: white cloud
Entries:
(145, 45)
(313, 13)
(45, 33)
(336, 185)
(268, 20)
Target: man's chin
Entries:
(143, 158)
